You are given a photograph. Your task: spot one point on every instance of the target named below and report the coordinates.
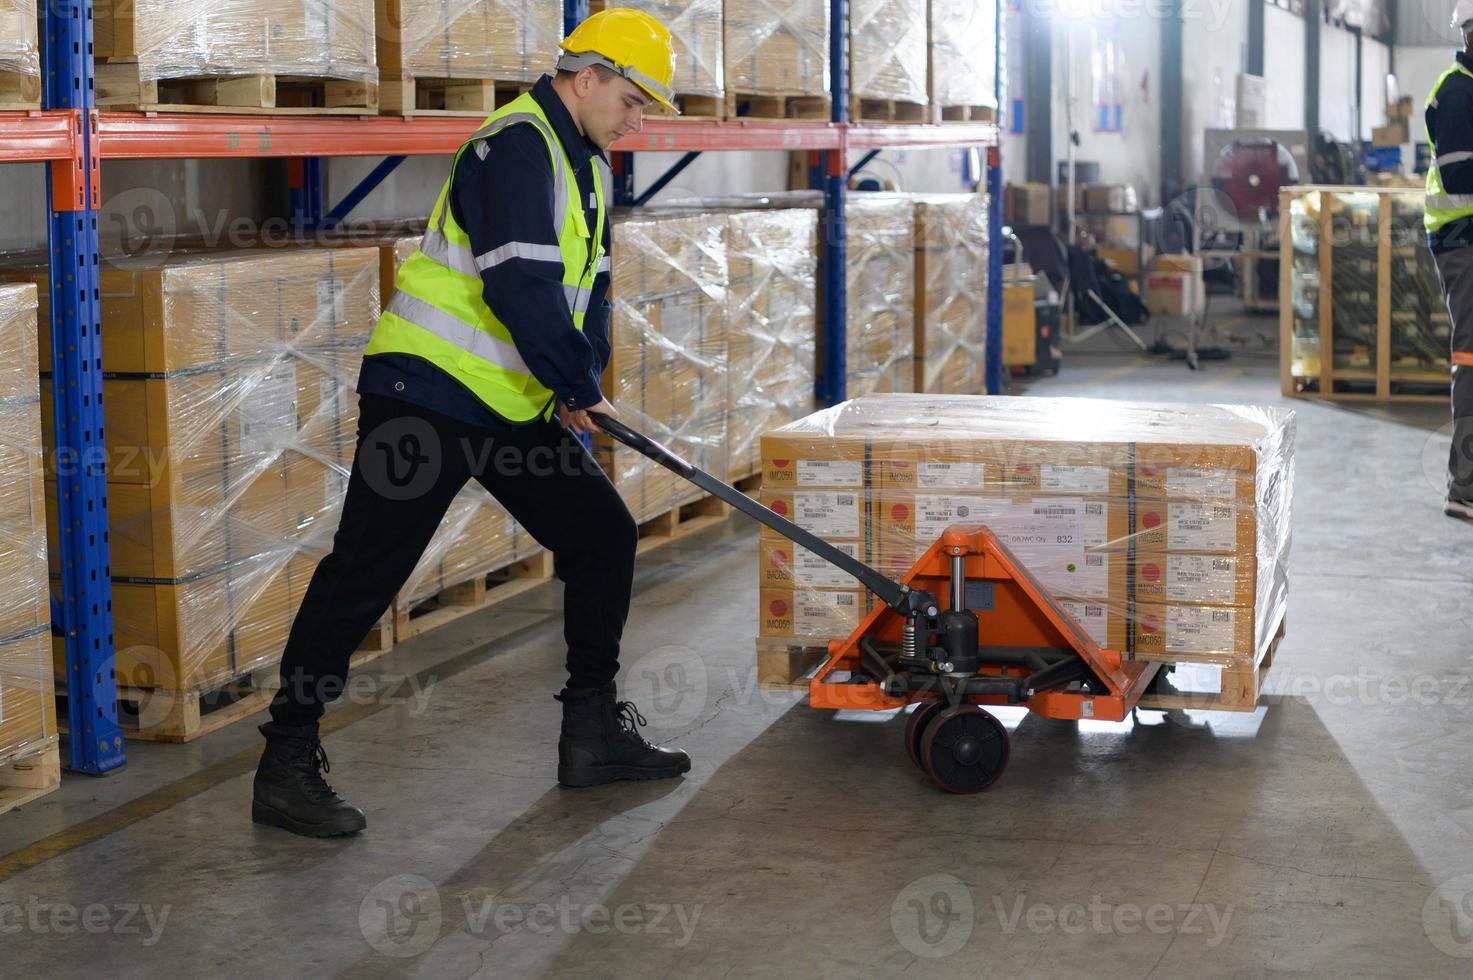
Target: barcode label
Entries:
(1190, 481)
(1194, 629)
(1198, 578)
(830, 473)
(1201, 527)
(829, 515)
(951, 476)
(1074, 479)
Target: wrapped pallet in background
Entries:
(27, 689)
(667, 369)
(20, 56)
(777, 51)
(772, 323)
(236, 53)
(963, 51)
(880, 318)
(887, 60)
(231, 424)
(1163, 529)
(442, 55)
(696, 31)
(951, 236)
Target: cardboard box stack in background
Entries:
(777, 47)
(504, 40)
(20, 56)
(667, 366)
(1164, 529)
(152, 40)
(880, 306)
(695, 27)
(772, 323)
(963, 59)
(888, 53)
(1027, 204)
(27, 688)
(950, 292)
(231, 423)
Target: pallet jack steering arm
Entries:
(898, 597)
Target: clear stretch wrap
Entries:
(964, 53)
(1163, 529)
(778, 47)
(1345, 234)
(231, 424)
(27, 689)
(477, 536)
(887, 50)
(772, 323)
(505, 40)
(183, 39)
(667, 369)
(880, 318)
(20, 52)
(695, 27)
(951, 293)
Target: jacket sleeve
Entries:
(1454, 137)
(596, 322)
(502, 195)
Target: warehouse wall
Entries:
(1417, 69)
(1215, 52)
(1337, 82)
(1375, 64)
(1283, 68)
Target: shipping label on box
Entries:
(1214, 634)
(1191, 526)
(783, 563)
(1103, 625)
(813, 462)
(938, 474)
(826, 513)
(1195, 579)
(818, 613)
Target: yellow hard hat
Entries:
(630, 42)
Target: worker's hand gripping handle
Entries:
(643, 444)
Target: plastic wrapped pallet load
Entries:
(20, 56)
(447, 56)
(231, 425)
(28, 735)
(887, 60)
(317, 54)
(667, 369)
(777, 58)
(963, 50)
(1163, 529)
(951, 241)
(880, 306)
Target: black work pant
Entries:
(409, 465)
(1455, 269)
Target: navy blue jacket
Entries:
(507, 196)
(1450, 127)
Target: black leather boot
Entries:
(601, 742)
(290, 792)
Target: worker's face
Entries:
(609, 106)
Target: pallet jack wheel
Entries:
(964, 749)
(915, 727)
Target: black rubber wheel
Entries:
(915, 727)
(964, 749)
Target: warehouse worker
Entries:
(1449, 221)
(485, 366)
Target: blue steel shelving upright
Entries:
(83, 614)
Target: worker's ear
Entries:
(584, 81)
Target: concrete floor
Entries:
(1329, 834)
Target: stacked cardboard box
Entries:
(887, 50)
(505, 40)
(20, 56)
(963, 45)
(1164, 530)
(230, 428)
(950, 292)
(27, 693)
(667, 366)
(771, 326)
(880, 318)
(695, 28)
(1027, 204)
(777, 47)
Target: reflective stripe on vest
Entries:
(454, 330)
(1461, 359)
(1440, 206)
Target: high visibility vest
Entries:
(1442, 207)
(438, 311)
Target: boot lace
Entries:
(630, 720)
(311, 752)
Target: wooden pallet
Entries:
(471, 596)
(710, 107)
(29, 778)
(1237, 688)
(687, 519)
(768, 105)
(786, 664)
(406, 94)
(887, 110)
(119, 87)
(963, 113)
(19, 90)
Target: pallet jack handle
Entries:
(890, 592)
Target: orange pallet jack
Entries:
(1002, 640)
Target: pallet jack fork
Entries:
(1001, 640)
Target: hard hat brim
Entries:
(578, 60)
